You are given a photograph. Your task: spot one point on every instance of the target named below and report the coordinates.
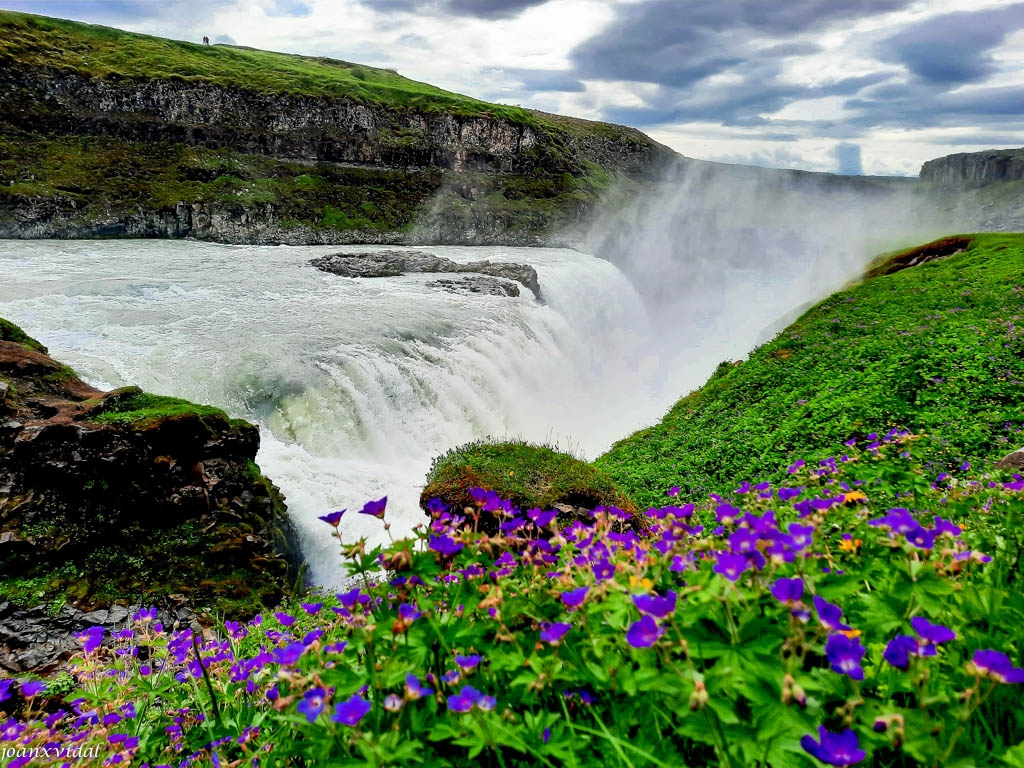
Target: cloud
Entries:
(482, 9)
(539, 80)
(674, 44)
(954, 48)
(848, 160)
(225, 40)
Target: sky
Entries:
(846, 86)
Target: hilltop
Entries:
(110, 133)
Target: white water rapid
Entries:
(356, 383)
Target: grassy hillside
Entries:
(96, 51)
(936, 348)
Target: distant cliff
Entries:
(971, 169)
(107, 133)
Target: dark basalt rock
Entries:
(396, 263)
(490, 286)
(110, 498)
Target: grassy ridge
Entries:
(936, 348)
(96, 51)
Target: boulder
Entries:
(1012, 461)
(397, 263)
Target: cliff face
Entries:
(975, 168)
(112, 498)
(216, 149)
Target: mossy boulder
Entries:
(123, 497)
(527, 475)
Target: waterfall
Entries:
(356, 384)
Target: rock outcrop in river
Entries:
(122, 497)
(396, 263)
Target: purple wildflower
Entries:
(5, 689)
(332, 519)
(469, 662)
(444, 545)
(414, 689)
(673, 491)
(845, 654)
(829, 615)
(375, 508)
(352, 711)
(834, 748)
(91, 639)
(653, 605)
(312, 609)
(553, 633)
(792, 470)
(393, 703)
(288, 655)
(731, 566)
(930, 633)
(644, 633)
(470, 697)
(574, 598)
(788, 590)
(603, 570)
(997, 666)
(899, 650)
(312, 703)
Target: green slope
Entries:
(95, 51)
(936, 348)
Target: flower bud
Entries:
(699, 697)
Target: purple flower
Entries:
(470, 697)
(5, 689)
(393, 703)
(332, 519)
(312, 609)
(286, 619)
(408, 613)
(921, 538)
(144, 615)
(574, 598)
(899, 650)
(469, 662)
(312, 703)
(31, 688)
(658, 607)
(352, 711)
(553, 633)
(288, 655)
(644, 633)
(414, 689)
(731, 566)
(785, 494)
(829, 615)
(899, 520)
(542, 519)
(943, 526)
(91, 639)
(603, 570)
(997, 666)
(844, 654)
(444, 545)
(375, 508)
(436, 507)
(834, 748)
(931, 633)
(788, 590)
(792, 470)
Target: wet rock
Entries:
(490, 286)
(397, 263)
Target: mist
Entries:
(726, 256)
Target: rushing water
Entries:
(355, 383)
(358, 383)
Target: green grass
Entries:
(10, 332)
(95, 51)
(144, 407)
(937, 349)
(529, 475)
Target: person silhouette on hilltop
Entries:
(206, 40)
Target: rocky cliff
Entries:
(975, 169)
(113, 498)
(106, 133)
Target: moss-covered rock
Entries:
(527, 475)
(124, 497)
